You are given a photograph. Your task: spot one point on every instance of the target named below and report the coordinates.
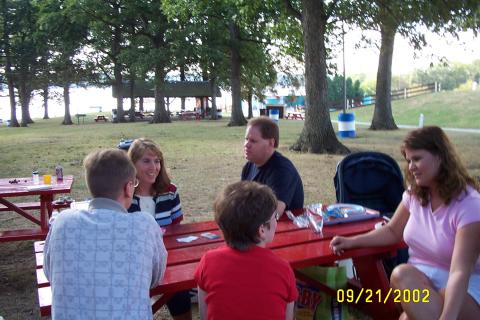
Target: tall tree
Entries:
(317, 135)
(405, 18)
(6, 16)
(25, 46)
(258, 73)
(230, 31)
(158, 40)
(66, 41)
(108, 26)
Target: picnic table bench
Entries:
(295, 116)
(101, 118)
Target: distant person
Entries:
(156, 195)
(245, 280)
(101, 262)
(268, 166)
(439, 219)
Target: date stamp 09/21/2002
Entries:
(379, 296)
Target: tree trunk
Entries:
(250, 105)
(11, 93)
(382, 115)
(117, 73)
(182, 78)
(160, 115)
(140, 104)
(317, 135)
(8, 67)
(67, 119)
(119, 85)
(237, 118)
(131, 113)
(24, 95)
(13, 104)
(213, 112)
(45, 103)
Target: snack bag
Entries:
(315, 304)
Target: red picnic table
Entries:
(295, 116)
(300, 247)
(20, 187)
(189, 115)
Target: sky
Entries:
(465, 49)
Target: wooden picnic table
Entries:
(80, 115)
(101, 118)
(20, 187)
(300, 247)
(295, 116)
(189, 115)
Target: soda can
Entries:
(59, 172)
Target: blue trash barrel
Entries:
(125, 144)
(346, 125)
(273, 114)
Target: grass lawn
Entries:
(202, 157)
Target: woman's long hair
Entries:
(452, 177)
(136, 152)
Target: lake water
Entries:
(89, 100)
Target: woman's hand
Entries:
(339, 244)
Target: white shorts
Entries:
(439, 278)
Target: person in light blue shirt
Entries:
(101, 262)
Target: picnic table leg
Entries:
(159, 301)
(45, 210)
(372, 276)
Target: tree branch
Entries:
(292, 11)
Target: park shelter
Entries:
(200, 90)
(172, 89)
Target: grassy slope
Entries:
(453, 109)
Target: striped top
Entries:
(168, 209)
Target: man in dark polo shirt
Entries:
(268, 166)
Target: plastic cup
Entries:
(47, 179)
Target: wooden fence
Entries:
(395, 95)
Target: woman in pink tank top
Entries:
(439, 219)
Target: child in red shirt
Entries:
(245, 280)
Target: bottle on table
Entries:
(59, 172)
(35, 177)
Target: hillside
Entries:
(454, 109)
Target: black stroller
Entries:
(373, 180)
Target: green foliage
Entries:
(335, 89)
(450, 76)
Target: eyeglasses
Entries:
(275, 215)
(136, 182)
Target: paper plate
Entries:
(345, 209)
(346, 212)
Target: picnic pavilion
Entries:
(200, 90)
